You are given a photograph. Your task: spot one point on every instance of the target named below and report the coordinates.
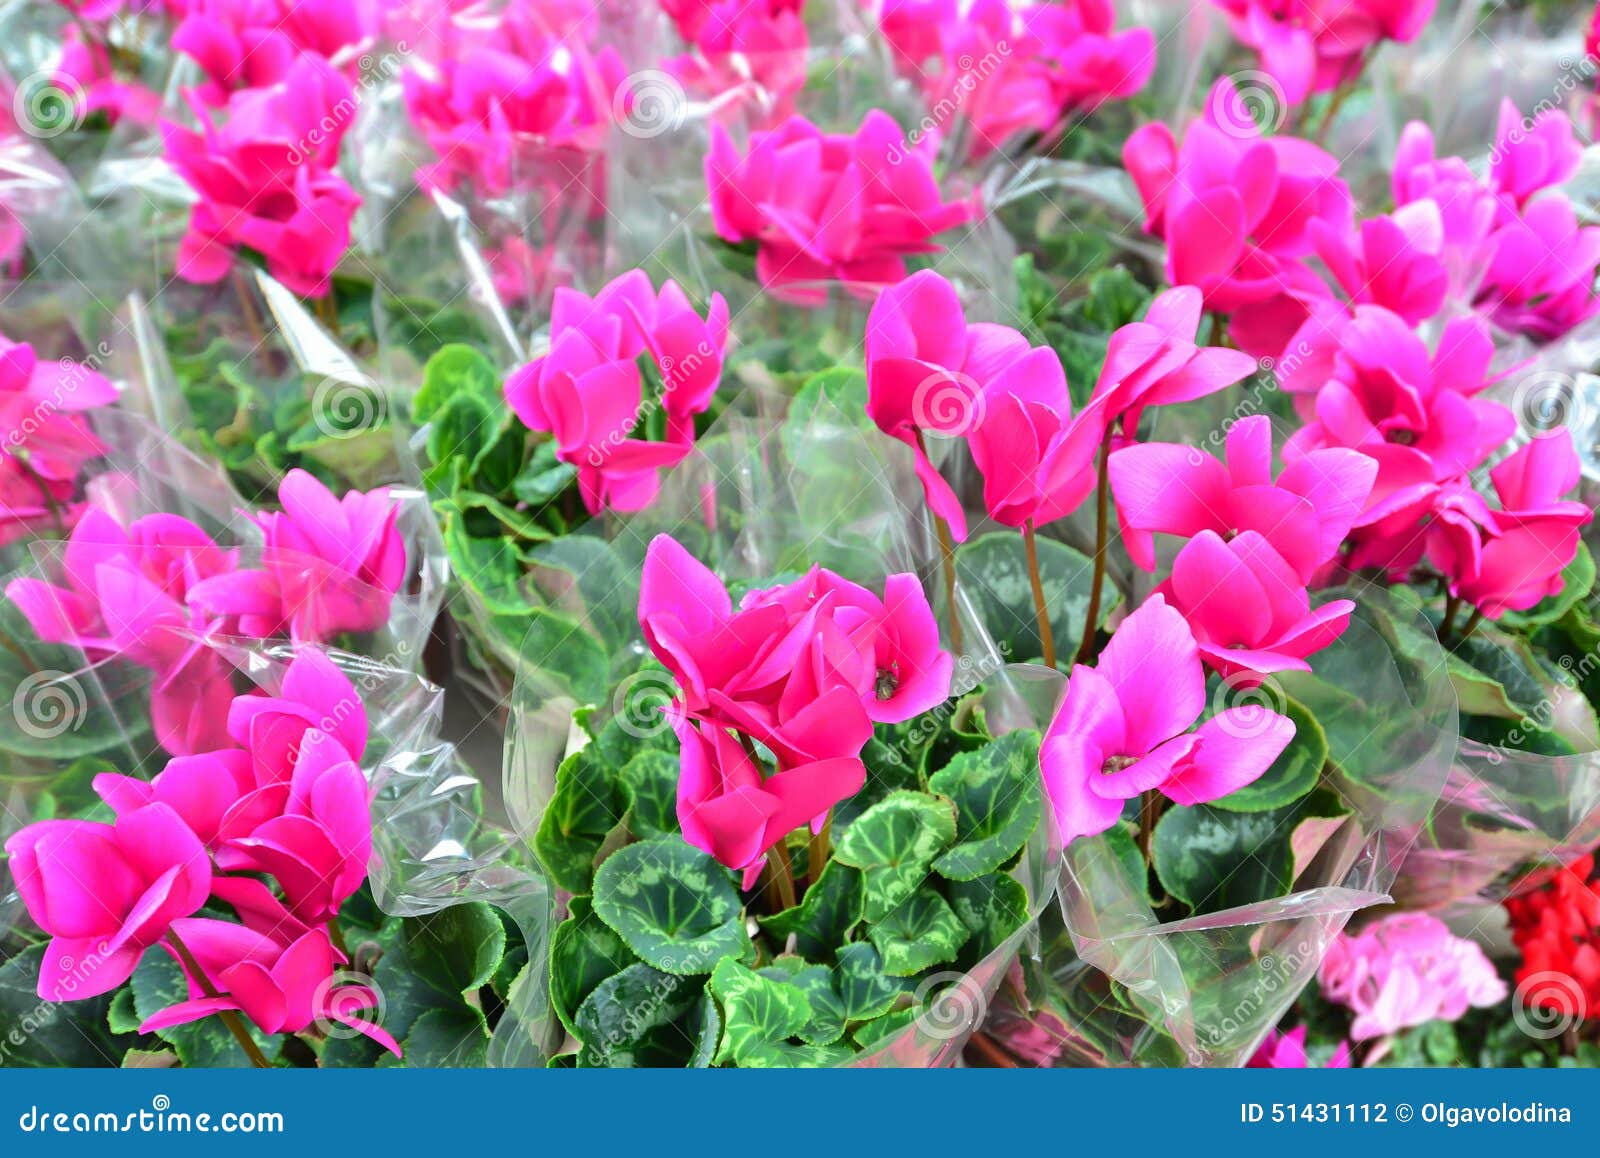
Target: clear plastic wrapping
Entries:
(1115, 985)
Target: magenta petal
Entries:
(1233, 749)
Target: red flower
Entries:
(1558, 930)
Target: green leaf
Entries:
(1293, 774)
(38, 1033)
(587, 804)
(651, 781)
(993, 570)
(1213, 860)
(830, 909)
(584, 951)
(446, 1038)
(642, 1017)
(456, 949)
(759, 1014)
(893, 843)
(460, 429)
(543, 477)
(997, 799)
(826, 1024)
(455, 371)
(864, 989)
(673, 905)
(556, 645)
(992, 908)
(922, 932)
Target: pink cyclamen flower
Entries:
(244, 44)
(1248, 608)
(1370, 384)
(1312, 46)
(44, 439)
(692, 17)
(274, 969)
(1394, 261)
(1405, 970)
(754, 50)
(1287, 1051)
(1531, 154)
(291, 801)
(1177, 490)
(105, 893)
(512, 101)
(1155, 362)
(330, 565)
(1236, 210)
(826, 206)
(1012, 69)
(127, 595)
(588, 393)
(804, 669)
(264, 179)
(927, 373)
(312, 737)
(1124, 729)
(1514, 557)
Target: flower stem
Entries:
(818, 850)
(1102, 518)
(1151, 805)
(947, 552)
(228, 1016)
(1472, 623)
(1047, 642)
(252, 320)
(947, 555)
(1452, 605)
(782, 877)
